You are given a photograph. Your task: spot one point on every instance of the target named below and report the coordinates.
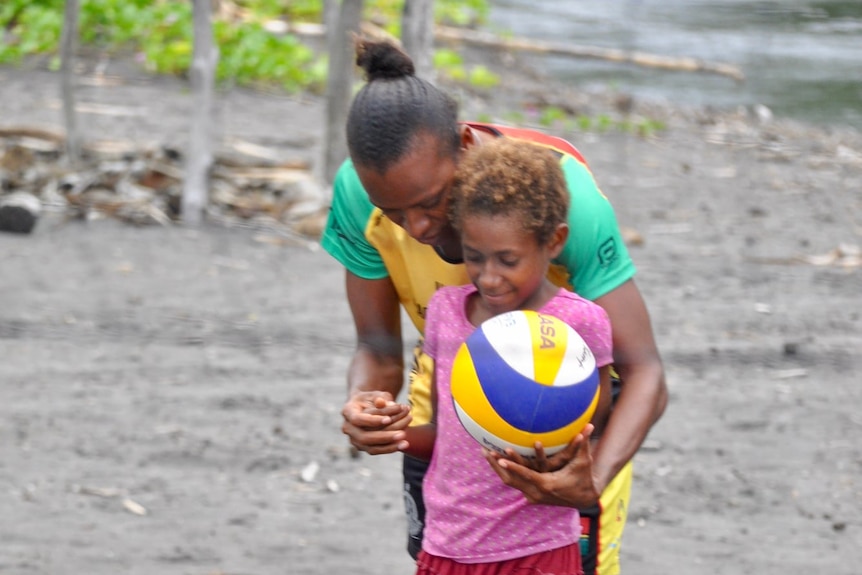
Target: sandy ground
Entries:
(169, 397)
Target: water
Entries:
(801, 58)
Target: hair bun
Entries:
(382, 59)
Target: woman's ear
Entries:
(558, 240)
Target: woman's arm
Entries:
(642, 400)
(372, 419)
(643, 392)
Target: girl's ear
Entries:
(558, 240)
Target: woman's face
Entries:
(414, 193)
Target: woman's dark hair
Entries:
(395, 106)
(507, 176)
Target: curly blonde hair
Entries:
(507, 176)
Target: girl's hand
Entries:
(565, 478)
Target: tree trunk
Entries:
(417, 35)
(68, 43)
(331, 9)
(339, 84)
(199, 157)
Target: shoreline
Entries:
(518, 99)
(124, 112)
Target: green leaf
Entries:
(482, 77)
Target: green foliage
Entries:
(28, 27)
(604, 122)
(482, 77)
(644, 127)
(450, 64)
(162, 32)
(169, 42)
(450, 12)
(461, 12)
(305, 10)
(447, 59)
(585, 123)
(255, 55)
(386, 13)
(648, 127)
(515, 117)
(551, 115)
(114, 23)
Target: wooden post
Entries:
(417, 35)
(331, 9)
(68, 43)
(339, 84)
(199, 157)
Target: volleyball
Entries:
(523, 377)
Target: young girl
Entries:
(510, 206)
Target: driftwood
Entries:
(481, 38)
(252, 185)
(686, 64)
(242, 153)
(844, 256)
(32, 132)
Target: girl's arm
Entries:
(420, 438)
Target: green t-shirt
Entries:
(594, 261)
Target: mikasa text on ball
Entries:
(523, 377)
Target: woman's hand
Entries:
(375, 423)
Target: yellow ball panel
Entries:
(550, 337)
(470, 398)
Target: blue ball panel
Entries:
(518, 399)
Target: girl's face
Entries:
(506, 263)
